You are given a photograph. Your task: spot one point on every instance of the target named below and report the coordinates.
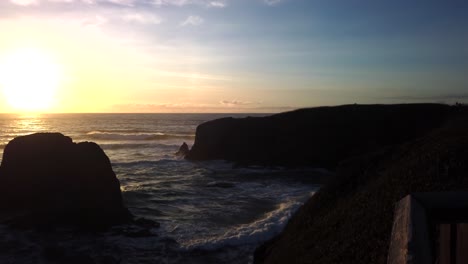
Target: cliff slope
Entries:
(350, 219)
(319, 137)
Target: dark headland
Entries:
(320, 137)
(379, 153)
(46, 179)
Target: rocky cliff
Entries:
(319, 137)
(350, 219)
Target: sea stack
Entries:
(183, 150)
(47, 179)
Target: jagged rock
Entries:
(183, 150)
(45, 179)
(146, 223)
(139, 233)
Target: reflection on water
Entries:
(14, 125)
(31, 123)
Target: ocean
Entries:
(210, 212)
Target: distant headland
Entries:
(319, 137)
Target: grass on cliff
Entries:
(350, 220)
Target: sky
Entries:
(233, 55)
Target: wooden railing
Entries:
(430, 228)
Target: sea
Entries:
(209, 212)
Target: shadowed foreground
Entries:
(350, 219)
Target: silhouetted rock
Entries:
(319, 137)
(45, 179)
(57, 254)
(350, 219)
(183, 150)
(146, 223)
(139, 233)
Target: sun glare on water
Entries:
(29, 79)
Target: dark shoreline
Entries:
(380, 154)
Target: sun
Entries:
(29, 79)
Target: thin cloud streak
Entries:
(141, 18)
(94, 21)
(126, 3)
(236, 102)
(194, 76)
(217, 4)
(206, 3)
(272, 2)
(197, 108)
(25, 2)
(192, 21)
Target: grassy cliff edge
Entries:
(350, 219)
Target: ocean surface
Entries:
(210, 212)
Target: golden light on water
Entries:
(29, 79)
(20, 125)
(29, 123)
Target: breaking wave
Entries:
(255, 232)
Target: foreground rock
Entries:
(319, 137)
(350, 219)
(47, 179)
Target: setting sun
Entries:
(29, 79)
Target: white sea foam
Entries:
(255, 232)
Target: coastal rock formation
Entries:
(319, 137)
(45, 179)
(350, 219)
(183, 150)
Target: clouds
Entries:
(237, 103)
(99, 13)
(129, 17)
(272, 2)
(129, 3)
(192, 21)
(226, 55)
(25, 2)
(217, 4)
(65, 1)
(141, 18)
(205, 3)
(209, 107)
(94, 21)
(123, 2)
(37, 2)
